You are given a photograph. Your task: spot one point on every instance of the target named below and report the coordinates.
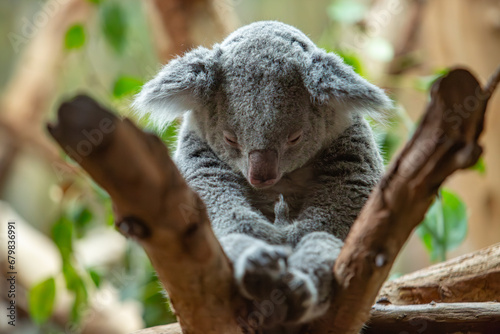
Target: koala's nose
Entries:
(263, 167)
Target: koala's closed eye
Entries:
(295, 137)
(231, 139)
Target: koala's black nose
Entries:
(263, 168)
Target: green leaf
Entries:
(70, 275)
(388, 143)
(82, 217)
(41, 300)
(75, 284)
(62, 235)
(346, 11)
(455, 215)
(445, 225)
(95, 276)
(352, 60)
(480, 166)
(75, 37)
(126, 85)
(114, 25)
(96, 2)
(80, 303)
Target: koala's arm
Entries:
(224, 192)
(348, 170)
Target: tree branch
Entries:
(435, 317)
(473, 277)
(154, 205)
(445, 141)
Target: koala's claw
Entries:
(262, 270)
(301, 295)
(259, 269)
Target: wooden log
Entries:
(435, 318)
(439, 318)
(473, 277)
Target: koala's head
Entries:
(266, 100)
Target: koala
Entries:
(274, 141)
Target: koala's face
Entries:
(263, 122)
(266, 99)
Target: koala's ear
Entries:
(331, 81)
(181, 85)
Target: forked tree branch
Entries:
(154, 205)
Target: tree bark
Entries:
(473, 277)
(443, 318)
(154, 205)
(470, 281)
(445, 141)
(440, 318)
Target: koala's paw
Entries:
(260, 269)
(302, 298)
(294, 300)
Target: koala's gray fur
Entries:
(263, 83)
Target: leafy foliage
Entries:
(41, 300)
(114, 25)
(352, 60)
(126, 85)
(63, 234)
(445, 225)
(75, 37)
(480, 166)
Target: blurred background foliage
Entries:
(109, 56)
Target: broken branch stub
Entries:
(154, 205)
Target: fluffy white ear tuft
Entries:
(331, 81)
(180, 86)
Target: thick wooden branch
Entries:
(474, 277)
(154, 205)
(445, 141)
(435, 318)
(471, 282)
(429, 318)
